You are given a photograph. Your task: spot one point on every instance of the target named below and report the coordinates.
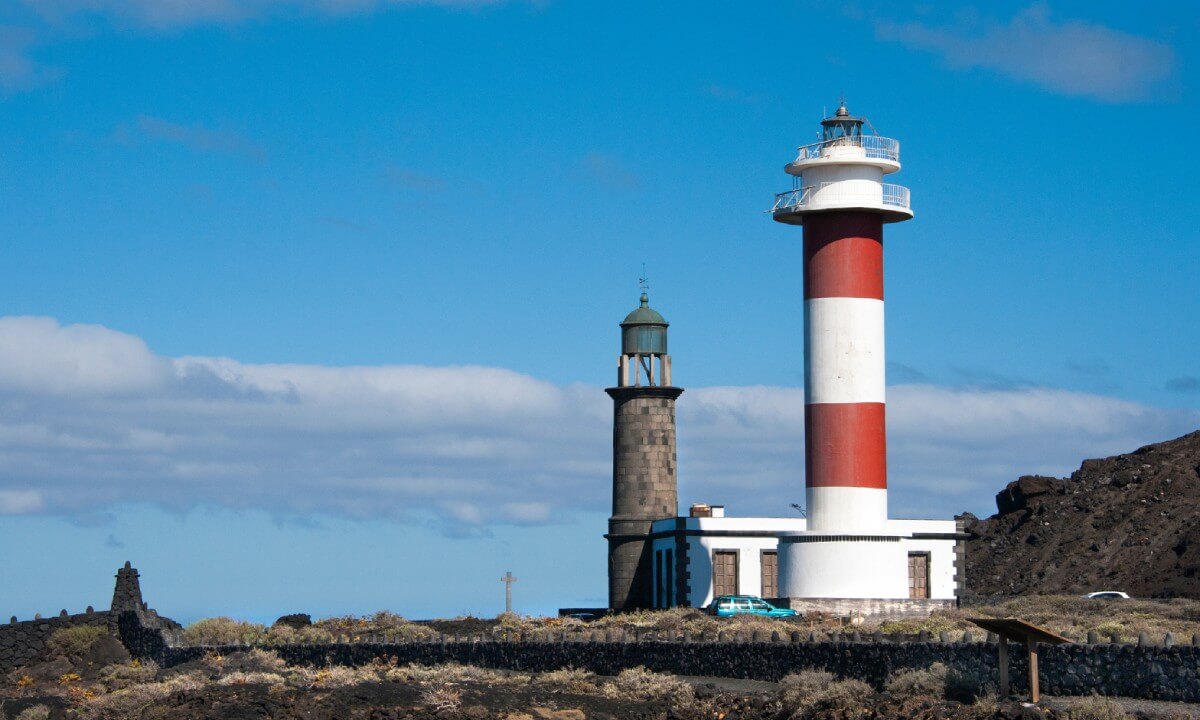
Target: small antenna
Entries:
(800, 509)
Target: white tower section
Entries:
(844, 171)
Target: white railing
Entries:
(873, 146)
(895, 195)
(799, 199)
(793, 200)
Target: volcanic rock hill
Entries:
(1129, 522)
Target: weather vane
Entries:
(643, 281)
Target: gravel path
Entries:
(1132, 705)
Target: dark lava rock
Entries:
(296, 621)
(106, 651)
(1017, 495)
(1129, 522)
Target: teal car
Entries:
(730, 605)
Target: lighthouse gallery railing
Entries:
(798, 199)
(873, 146)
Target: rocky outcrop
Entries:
(1129, 522)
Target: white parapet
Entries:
(844, 175)
(816, 566)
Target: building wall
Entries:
(749, 536)
(943, 570)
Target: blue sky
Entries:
(301, 294)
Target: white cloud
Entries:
(19, 502)
(1073, 57)
(90, 417)
(164, 14)
(38, 356)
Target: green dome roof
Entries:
(644, 315)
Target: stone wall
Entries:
(1140, 671)
(21, 642)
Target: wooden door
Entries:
(770, 574)
(725, 573)
(918, 575)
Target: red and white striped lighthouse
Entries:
(841, 201)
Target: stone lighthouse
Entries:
(644, 486)
(842, 202)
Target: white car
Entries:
(1107, 595)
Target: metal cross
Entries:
(508, 580)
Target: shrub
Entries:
(68, 678)
(118, 677)
(806, 693)
(337, 676)
(925, 682)
(572, 680)
(37, 712)
(256, 660)
(222, 631)
(251, 678)
(130, 702)
(641, 684)
(442, 698)
(74, 641)
(1096, 707)
(797, 689)
(450, 673)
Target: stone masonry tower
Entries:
(643, 455)
(128, 593)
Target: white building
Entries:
(700, 557)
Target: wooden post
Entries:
(1003, 666)
(1034, 692)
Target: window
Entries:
(658, 586)
(918, 575)
(759, 605)
(725, 572)
(770, 574)
(668, 577)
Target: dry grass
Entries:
(438, 675)
(131, 701)
(1096, 708)
(923, 682)
(641, 684)
(239, 677)
(567, 680)
(442, 698)
(119, 677)
(37, 712)
(809, 692)
(1072, 617)
(1069, 616)
(223, 631)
